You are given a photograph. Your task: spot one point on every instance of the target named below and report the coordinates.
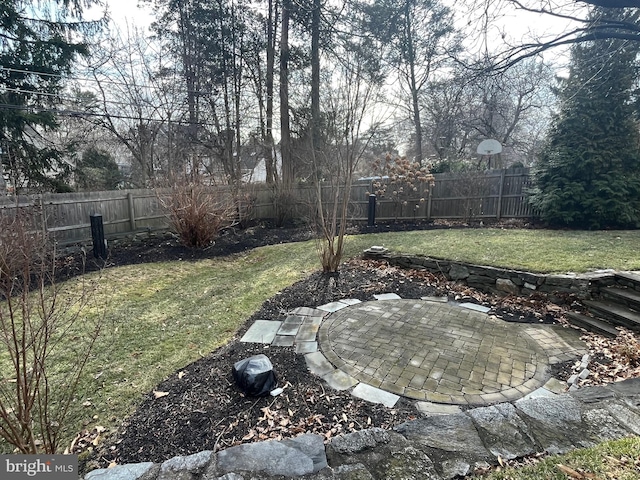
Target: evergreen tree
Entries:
(97, 170)
(588, 174)
(39, 41)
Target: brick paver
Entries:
(441, 353)
(425, 349)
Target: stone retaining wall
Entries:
(502, 281)
(439, 447)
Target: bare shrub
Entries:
(44, 350)
(284, 205)
(402, 181)
(198, 213)
(336, 156)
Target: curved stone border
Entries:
(436, 448)
(300, 330)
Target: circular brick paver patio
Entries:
(434, 351)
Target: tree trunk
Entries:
(189, 65)
(411, 60)
(288, 173)
(237, 93)
(315, 76)
(271, 54)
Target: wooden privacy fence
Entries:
(494, 194)
(66, 216)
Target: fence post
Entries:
(371, 220)
(501, 189)
(429, 203)
(3, 183)
(97, 236)
(42, 219)
(132, 212)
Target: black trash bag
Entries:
(255, 375)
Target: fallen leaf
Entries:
(181, 374)
(570, 471)
(69, 449)
(158, 394)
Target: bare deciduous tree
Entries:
(40, 367)
(138, 102)
(510, 107)
(418, 38)
(579, 25)
(351, 124)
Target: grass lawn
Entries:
(530, 250)
(161, 317)
(614, 460)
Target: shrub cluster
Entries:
(198, 213)
(401, 180)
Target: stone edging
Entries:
(501, 281)
(436, 448)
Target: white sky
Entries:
(123, 11)
(513, 27)
(133, 10)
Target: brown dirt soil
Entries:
(200, 407)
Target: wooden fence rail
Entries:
(494, 194)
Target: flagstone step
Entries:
(592, 324)
(625, 296)
(629, 279)
(614, 313)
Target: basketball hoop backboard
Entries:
(489, 147)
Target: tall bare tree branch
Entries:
(584, 29)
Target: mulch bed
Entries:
(200, 407)
(204, 410)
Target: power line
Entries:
(102, 81)
(76, 113)
(69, 77)
(80, 114)
(75, 100)
(58, 96)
